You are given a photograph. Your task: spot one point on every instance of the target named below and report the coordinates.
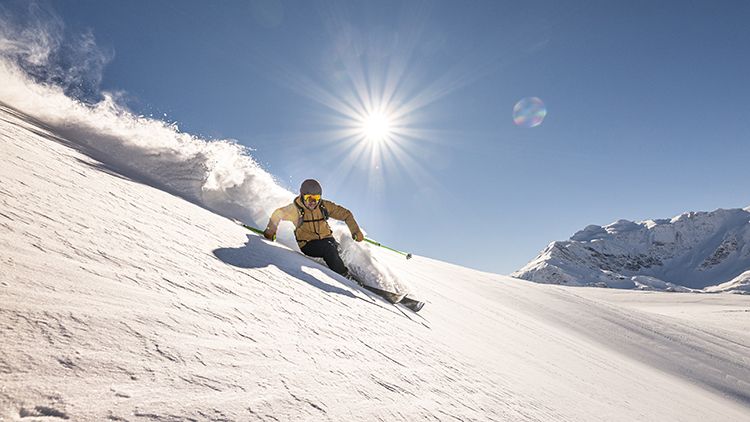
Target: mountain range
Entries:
(692, 252)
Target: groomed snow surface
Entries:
(120, 301)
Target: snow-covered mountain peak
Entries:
(693, 250)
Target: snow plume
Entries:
(51, 80)
(217, 174)
(36, 42)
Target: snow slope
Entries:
(219, 175)
(694, 251)
(121, 301)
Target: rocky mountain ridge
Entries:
(694, 251)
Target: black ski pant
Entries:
(328, 250)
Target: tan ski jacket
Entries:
(311, 224)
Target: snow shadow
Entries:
(256, 253)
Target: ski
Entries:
(396, 298)
(391, 297)
(412, 304)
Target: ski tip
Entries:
(396, 298)
(416, 307)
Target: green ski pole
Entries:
(252, 229)
(376, 243)
(407, 255)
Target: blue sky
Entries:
(647, 106)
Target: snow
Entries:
(128, 294)
(219, 175)
(122, 301)
(692, 252)
(739, 284)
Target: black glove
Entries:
(268, 234)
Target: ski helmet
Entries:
(310, 186)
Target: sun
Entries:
(376, 126)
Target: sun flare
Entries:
(376, 127)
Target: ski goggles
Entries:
(308, 197)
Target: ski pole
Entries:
(407, 255)
(261, 232)
(253, 229)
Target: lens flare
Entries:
(529, 112)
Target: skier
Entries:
(310, 213)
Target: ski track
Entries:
(122, 302)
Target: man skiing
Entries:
(310, 213)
